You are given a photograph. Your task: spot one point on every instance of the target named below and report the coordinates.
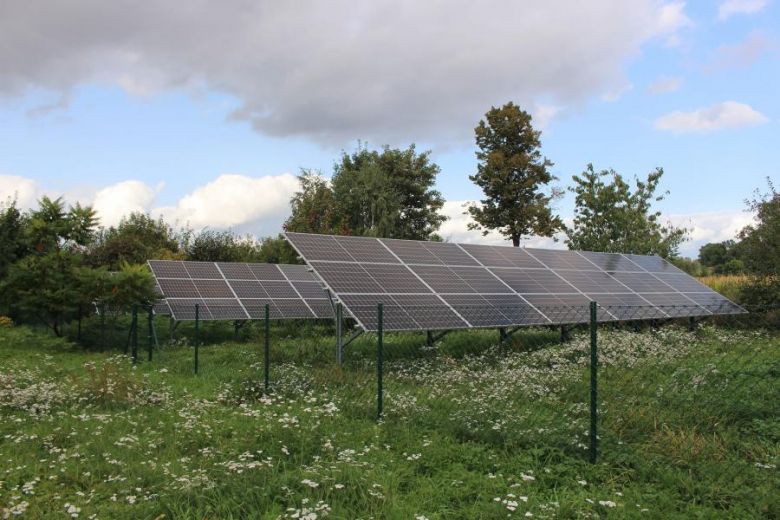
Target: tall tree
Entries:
(513, 176)
(12, 225)
(388, 193)
(312, 205)
(137, 238)
(612, 217)
(45, 284)
(760, 249)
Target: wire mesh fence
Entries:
(694, 388)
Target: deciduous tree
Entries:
(612, 217)
(514, 177)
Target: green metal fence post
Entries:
(197, 318)
(102, 326)
(134, 333)
(594, 360)
(150, 322)
(339, 332)
(380, 358)
(267, 353)
(81, 312)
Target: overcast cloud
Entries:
(335, 71)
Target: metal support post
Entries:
(594, 360)
(380, 358)
(267, 354)
(134, 333)
(339, 333)
(150, 322)
(197, 340)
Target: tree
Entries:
(611, 217)
(387, 193)
(312, 205)
(760, 242)
(12, 244)
(118, 290)
(760, 248)
(276, 250)
(513, 174)
(136, 239)
(220, 246)
(45, 284)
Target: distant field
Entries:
(689, 428)
(729, 286)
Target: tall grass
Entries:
(729, 286)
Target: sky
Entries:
(204, 112)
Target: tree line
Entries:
(55, 259)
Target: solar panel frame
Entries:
(569, 280)
(223, 290)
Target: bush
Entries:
(6, 322)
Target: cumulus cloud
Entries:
(742, 54)
(386, 70)
(616, 93)
(710, 227)
(25, 191)
(116, 201)
(543, 115)
(731, 7)
(719, 116)
(257, 205)
(456, 230)
(664, 85)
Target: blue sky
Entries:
(142, 116)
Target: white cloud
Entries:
(730, 7)
(456, 230)
(719, 116)
(710, 227)
(664, 85)
(543, 115)
(119, 200)
(741, 54)
(252, 204)
(25, 191)
(256, 205)
(616, 93)
(386, 70)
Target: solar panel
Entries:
(239, 291)
(440, 286)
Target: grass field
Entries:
(727, 285)
(689, 428)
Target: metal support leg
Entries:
(429, 339)
(502, 337)
(339, 333)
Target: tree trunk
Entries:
(516, 240)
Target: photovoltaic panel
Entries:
(592, 281)
(450, 254)
(395, 278)
(239, 291)
(555, 259)
(266, 271)
(610, 262)
(533, 281)
(683, 282)
(641, 282)
(235, 271)
(408, 251)
(654, 264)
(437, 286)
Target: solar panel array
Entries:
(238, 291)
(440, 286)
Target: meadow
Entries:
(688, 427)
